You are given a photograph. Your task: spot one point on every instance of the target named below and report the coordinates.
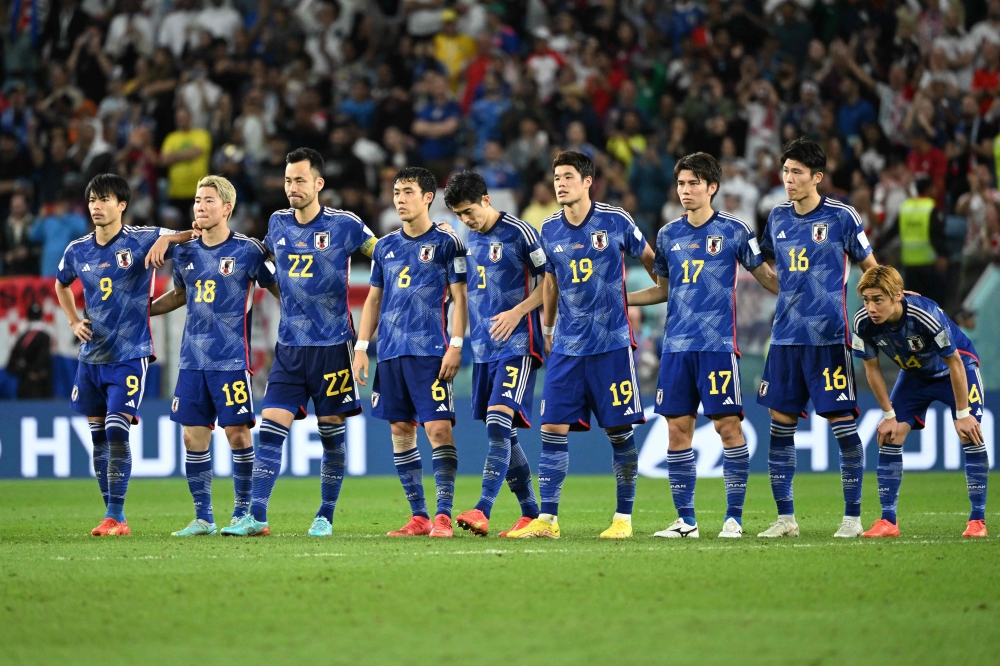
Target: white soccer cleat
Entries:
(850, 528)
(731, 529)
(783, 527)
(679, 530)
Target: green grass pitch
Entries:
(358, 598)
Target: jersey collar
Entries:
(306, 224)
(402, 232)
(687, 221)
(201, 241)
(822, 200)
(114, 239)
(590, 214)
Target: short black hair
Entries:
(465, 186)
(579, 161)
(703, 165)
(805, 151)
(307, 155)
(923, 184)
(108, 184)
(424, 179)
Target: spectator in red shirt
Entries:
(927, 160)
(476, 70)
(986, 81)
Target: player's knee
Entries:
(679, 437)
(188, 439)
(403, 429)
(556, 428)
(333, 418)
(439, 432)
(730, 431)
(239, 437)
(782, 417)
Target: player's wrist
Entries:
(962, 413)
(361, 346)
(457, 342)
(548, 330)
(886, 415)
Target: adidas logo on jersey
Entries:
(281, 241)
(130, 403)
(979, 412)
(442, 408)
(727, 401)
(558, 248)
(189, 267)
(391, 255)
(629, 412)
(781, 235)
(347, 399)
(243, 410)
(676, 247)
(506, 394)
(842, 396)
(86, 268)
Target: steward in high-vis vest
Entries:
(924, 254)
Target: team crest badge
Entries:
(599, 239)
(374, 400)
(175, 404)
(321, 240)
(820, 232)
(915, 343)
(659, 396)
(426, 253)
(496, 252)
(124, 258)
(227, 265)
(75, 394)
(763, 389)
(714, 245)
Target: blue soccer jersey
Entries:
(917, 342)
(589, 264)
(313, 265)
(117, 288)
(812, 255)
(504, 263)
(414, 274)
(219, 282)
(701, 264)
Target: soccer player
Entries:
(311, 246)
(937, 362)
(117, 342)
(697, 260)
(416, 271)
(590, 368)
(811, 241)
(504, 258)
(214, 276)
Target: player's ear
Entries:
(486, 201)
(320, 183)
(818, 177)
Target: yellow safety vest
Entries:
(915, 231)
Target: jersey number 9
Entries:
(106, 288)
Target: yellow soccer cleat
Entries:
(620, 529)
(537, 528)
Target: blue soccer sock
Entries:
(198, 469)
(410, 469)
(682, 470)
(852, 464)
(331, 473)
(101, 453)
(977, 472)
(736, 471)
(119, 464)
(625, 463)
(266, 466)
(498, 427)
(552, 469)
(781, 465)
(445, 460)
(242, 480)
(890, 478)
(519, 478)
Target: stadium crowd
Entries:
(904, 95)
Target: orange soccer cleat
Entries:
(882, 528)
(418, 526)
(521, 523)
(975, 529)
(475, 521)
(442, 527)
(111, 527)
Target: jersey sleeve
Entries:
(375, 279)
(532, 253)
(454, 255)
(148, 236)
(766, 241)
(748, 251)
(661, 264)
(936, 324)
(861, 346)
(176, 272)
(65, 272)
(360, 237)
(856, 243)
(263, 269)
(634, 241)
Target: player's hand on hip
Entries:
(504, 325)
(450, 363)
(886, 431)
(361, 367)
(158, 253)
(81, 329)
(969, 430)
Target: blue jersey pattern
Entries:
(812, 255)
(219, 283)
(313, 265)
(701, 264)
(589, 264)
(917, 342)
(414, 273)
(117, 287)
(504, 263)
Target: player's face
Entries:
(694, 192)
(800, 182)
(302, 184)
(879, 306)
(569, 186)
(410, 201)
(473, 215)
(105, 209)
(209, 210)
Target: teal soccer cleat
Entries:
(321, 527)
(247, 526)
(197, 527)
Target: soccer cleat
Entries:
(850, 528)
(247, 526)
(731, 529)
(620, 529)
(521, 523)
(417, 526)
(197, 527)
(539, 527)
(321, 527)
(235, 520)
(882, 528)
(679, 530)
(475, 521)
(111, 527)
(781, 528)
(975, 529)
(442, 527)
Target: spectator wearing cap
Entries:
(437, 125)
(452, 48)
(185, 153)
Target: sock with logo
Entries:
(266, 466)
(682, 471)
(331, 473)
(410, 469)
(498, 427)
(198, 469)
(552, 469)
(519, 478)
(781, 465)
(242, 480)
(625, 463)
(890, 478)
(852, 464)
(101, 454)
(977, 472)
(119, 464)
(736, 471)
(445, 460)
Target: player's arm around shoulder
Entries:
(161, 249)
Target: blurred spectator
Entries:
(343, 169)
(218, 19)
(487, 112)
(130, 33)
(54, 230)
(65, 23)
(452, 48)
(360, 106)
(925, 159)
(543, 204)
(15, 170)
(437, 124)
(185, 154)
(30, 359)
(979, 206)
(18, 254)
(544, 63)
(498, 173)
